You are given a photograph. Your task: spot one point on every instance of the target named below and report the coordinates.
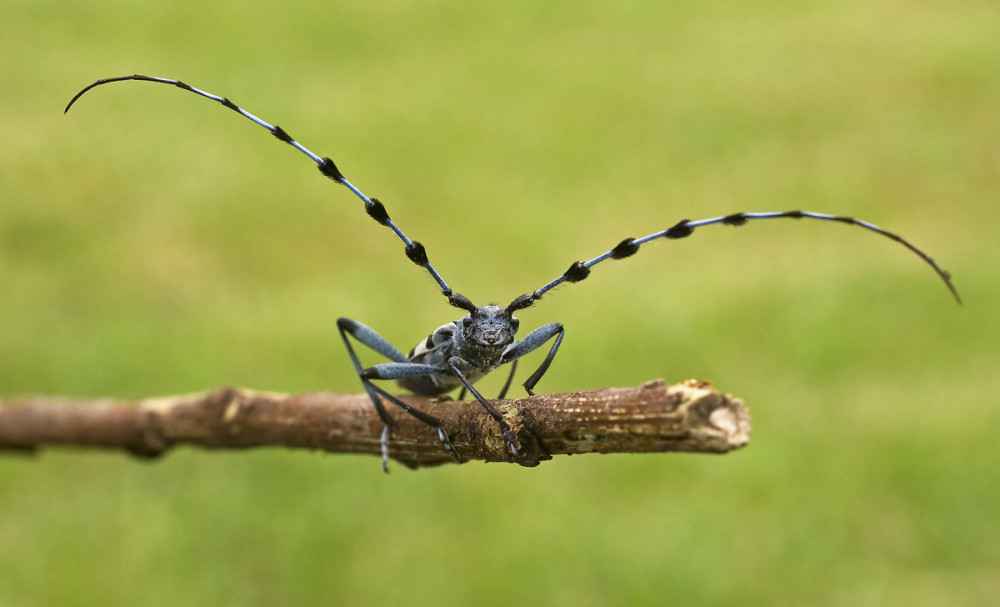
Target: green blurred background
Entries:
(154, 243)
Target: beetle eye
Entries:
(514, 324)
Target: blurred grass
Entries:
(152, 243)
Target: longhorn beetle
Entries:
(459, 353)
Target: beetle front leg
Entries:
(532, 341)
(509, 437)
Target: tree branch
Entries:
(691, 416)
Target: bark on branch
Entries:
(691, 416)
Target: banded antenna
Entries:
(580, 270)
(375, 209)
